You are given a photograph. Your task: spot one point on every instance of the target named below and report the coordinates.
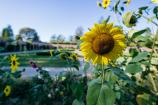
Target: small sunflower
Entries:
(7, 90)
(154, 1)
(106, 3)
(14, 63)
(103, 43)
(128, 2)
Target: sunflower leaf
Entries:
(77, 102)
(155, 11)
(141, 56)
(86, 66)
(100, 94)
(136, 34)
(133, 68)
(141, 9)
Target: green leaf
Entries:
(141, 56)
(107, 96)
(143, 99)
(93, 91)
(107, 20)
(141, 9)
(129, 19)
(133, 52)
(136, 34)
(154, 59)
(155, 11)
(86, 66)
(133, 68)
(100, 94)
(122, 8)
(110, 77)
(76, 102)
(115, 8)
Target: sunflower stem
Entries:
(103, 73)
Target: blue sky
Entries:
(54, 16)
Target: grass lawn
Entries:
(44, 61)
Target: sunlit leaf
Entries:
(100, 94)
(140, 56)
(133, 68)
(76, 102)
(136, 34)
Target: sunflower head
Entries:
(103, 43)
(154, 1)
(7, 90)
(105, 3)
(128, 2)
(14, 63)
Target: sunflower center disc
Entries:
(14, 62)
(103, 44)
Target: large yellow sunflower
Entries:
(14, 63)
(7, 90)
(103, 43)
(106, 3)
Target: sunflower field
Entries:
(119, 64)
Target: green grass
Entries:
(43, 61)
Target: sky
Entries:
(50, 17)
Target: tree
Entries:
(7, 34)
(71, 38)
(29, 34)
(53, 38)
(60, 38)
(78, 33)
(18, 37)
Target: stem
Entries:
(103, 73)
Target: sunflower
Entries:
(105, 3)
(14, 63)
(7, 90)
(128, 2)
(103, 43)
(154, 1)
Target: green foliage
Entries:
(100, 94)
(155, 11)
(76, 102)
(138, 33)
(133, 68)
(129, 19)
(141, 56)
